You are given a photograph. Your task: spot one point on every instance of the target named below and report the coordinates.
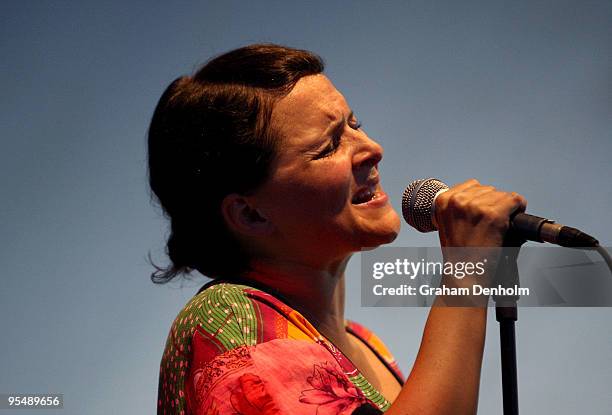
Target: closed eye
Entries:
(336, 138)
(331, 147)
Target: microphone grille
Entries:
(417, 203)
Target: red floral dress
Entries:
(236, 350)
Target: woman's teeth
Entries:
(364, 196)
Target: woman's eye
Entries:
(327, 151)
(330, 148)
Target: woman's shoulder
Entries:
(367, 335)
(225, 315)
(223, 312)
(375, 344)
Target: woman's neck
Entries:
(318, 294)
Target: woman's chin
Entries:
(384, 233)
(380, 240)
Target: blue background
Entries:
(515, 93)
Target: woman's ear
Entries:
(243, 218)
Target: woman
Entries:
(271, 184)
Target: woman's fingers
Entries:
(471, 214)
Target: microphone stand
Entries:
(506, 314)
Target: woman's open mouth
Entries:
(370, 196)
(365, 195)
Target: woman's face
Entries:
(324, 199)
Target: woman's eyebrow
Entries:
(338, 126)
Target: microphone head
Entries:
(418, 203)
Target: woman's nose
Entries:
(369, 152)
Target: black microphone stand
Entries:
(506, 314)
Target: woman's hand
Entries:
(472, 215)
(472, 222)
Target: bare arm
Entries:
(446, 374)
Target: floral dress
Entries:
(237, 350)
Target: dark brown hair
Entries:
(210, 136)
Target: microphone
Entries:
(418, 208)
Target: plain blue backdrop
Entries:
(515, 93)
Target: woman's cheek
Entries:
(334, 184)
(335, 172)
